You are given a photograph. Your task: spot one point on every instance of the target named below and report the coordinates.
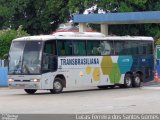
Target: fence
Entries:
(3, 73)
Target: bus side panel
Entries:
(125, 63)
(145, 64)
(107, 70)
(84, 70)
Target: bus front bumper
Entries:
(20, 85)
(24, 82)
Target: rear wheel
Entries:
(128, 81)
(30, 91)
(103, 87)
(111, 86)
(137, 81)
(57, 86)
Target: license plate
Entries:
(20, 86)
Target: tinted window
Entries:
(49, 61)
(142, 47)
(149, 48)
(79, 48)
(120, 48)
(131, 47)
(106, 47)
(93, 48)
(64, 47)
(50, 47)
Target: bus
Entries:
(68, 59)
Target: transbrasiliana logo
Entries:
(9, 117)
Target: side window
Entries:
(106, 47)
(49, 62)
(93, 48)
(145, 47)
(128, 46)
(149, 48)
(79, 47)
(142, 47)
(64, 47)
(50, 47)
(131, 47)
(134, 47)
(120, 48)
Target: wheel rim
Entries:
(128, 81)
(137, 80)
(57, 86)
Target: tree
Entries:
(6, 37)
(36, 16)
(123, 6)
(79, 6)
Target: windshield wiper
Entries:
(26, 69)
(18, 68)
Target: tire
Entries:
(128, 81)
(111, 86)
(30, 91)
(102, 87)
(137, 81)
(122, 86)
(57, 86)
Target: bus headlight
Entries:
(35, 80)
(10, 80)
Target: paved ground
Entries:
(93, 100)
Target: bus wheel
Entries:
(30, 91)
(57, 86)
(137, 81)
(103, 87)
(111, 86)
(128, 81)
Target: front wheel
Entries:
(57, 86)
(30, 91)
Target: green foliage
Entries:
(44, 16)
(157, 41)
(36, 16)
(6, 37)
(78, 6)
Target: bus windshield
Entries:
(25, 57)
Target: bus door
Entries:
(49, 64)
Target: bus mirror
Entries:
(5, 56)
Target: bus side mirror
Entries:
(5, 56)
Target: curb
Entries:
(151, 88)
(3, 88)
(152, 83)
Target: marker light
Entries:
(35, 80)
(10, 80)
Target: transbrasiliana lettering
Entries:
(80, 61)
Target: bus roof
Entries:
(82, 36)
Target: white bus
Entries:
(68, 59)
